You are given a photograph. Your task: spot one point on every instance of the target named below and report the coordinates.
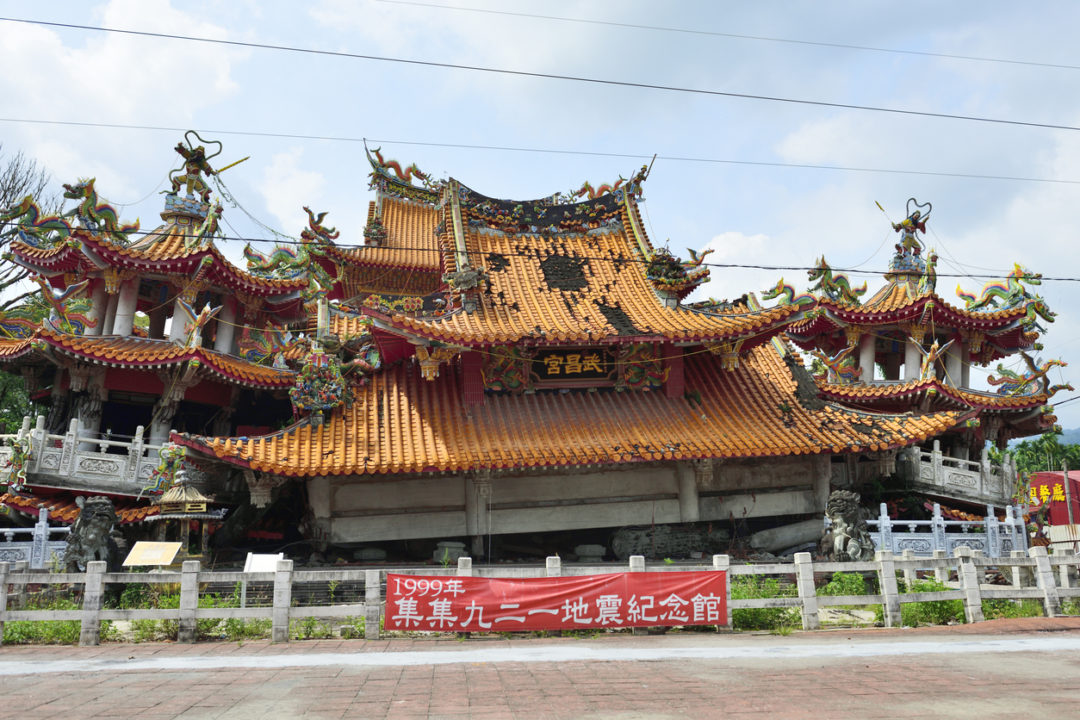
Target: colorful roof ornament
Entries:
(1006, 293)
(1033, 382)
(15, 466)
(835, 286)
(841, 365)
(164, 475)
(319, 387)
(787, 295)
(668, 273)
(59, 315)
(34, 227)
(97, 216)
(909, 227)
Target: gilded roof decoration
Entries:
(754, 411)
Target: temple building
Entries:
(478, 368)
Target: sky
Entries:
(732, 174)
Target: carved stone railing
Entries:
(973, 481)
(39, 551)
(58, 461)
(995, 538)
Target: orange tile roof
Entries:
(410, 243)
(576, 288)
(140, 352)
(913, 390)
(11, 348)
(899, 300)
(63, 509)
(401, 423)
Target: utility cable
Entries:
(735, 36)
(553, 76)
(547, 151)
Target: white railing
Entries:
(973, 480)
(1032, 577)
(40, 550)
(79, 461)
(995, 538)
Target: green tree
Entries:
(1045, 453)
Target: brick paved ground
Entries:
(743, 676)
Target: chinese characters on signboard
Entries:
(573, 364)
(468, 604)
(1039, 494)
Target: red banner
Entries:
(472, 604)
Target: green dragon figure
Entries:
(836, 287)
(1033, 382)
(34, 227)
(99, 217)
(787, 295)
(1009, 292)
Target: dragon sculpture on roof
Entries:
(835, 286)
(33, 226)
(97, 216)
(1033, 382)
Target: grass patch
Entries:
(1003, 608)
(746, 587)
(50, 632)
(933, 612)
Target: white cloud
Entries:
(287, 188)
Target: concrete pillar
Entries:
(279, 627)
(372, 603)
(912, 360)
(99, 301)
(689, 510)
(158, 316)
(178, 330)
(226, 326)
(954, 366)
(477, 506)
(110, 314)
(804, 581)
(93, 597)
(189, 598)
(127, 299)
(965, 365)
(866, 357)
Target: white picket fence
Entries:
(1032, 576)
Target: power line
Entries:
(549, 151)
(737, 36)
(552, 76)
(620, 260)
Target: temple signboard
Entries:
(563, 365)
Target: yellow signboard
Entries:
(152, 553)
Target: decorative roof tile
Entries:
(400, 423)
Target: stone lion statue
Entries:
(849, 537)
(91, 535)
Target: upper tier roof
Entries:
(576, 287)
(140, 352)
(401, 423)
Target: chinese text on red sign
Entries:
(471, 604)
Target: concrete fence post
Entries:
(804, 580)
(3, 597)
(279, 625)
(941, 573)
(1063, 576)
(553, 566)
(189, 601)
(18, 583)
(885, 529)
(372, 603)
(969, 582)
(889, 591)
(1044, 575)
(637, 564)
(723, 564)
(909, 570)
(937, 527)
(464, 567)
(1016, 571)
(93, 595)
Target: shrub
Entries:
(1002, 608)
(744, 587)
(844, 584)
(932, 612)
(50, 632)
